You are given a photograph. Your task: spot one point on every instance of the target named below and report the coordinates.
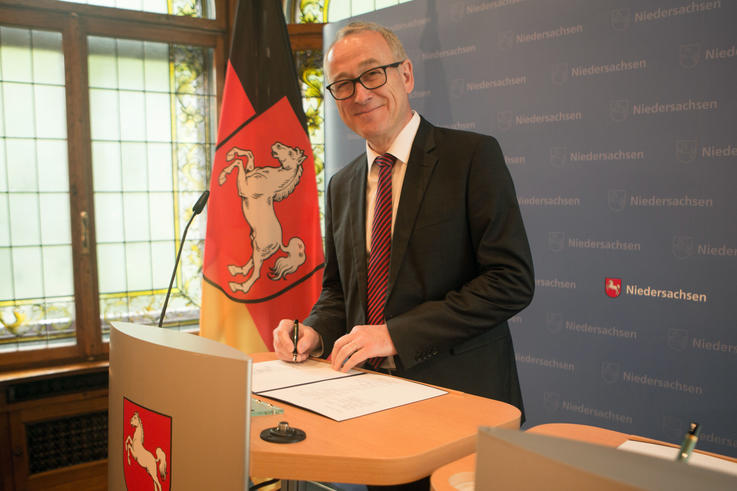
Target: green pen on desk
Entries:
(295, 338)
(689, 442)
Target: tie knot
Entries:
(385, 160)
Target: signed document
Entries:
(315, 386)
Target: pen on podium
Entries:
(295, 338)
(689, 442)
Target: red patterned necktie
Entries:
(381, 244)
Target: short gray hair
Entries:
(395, 45)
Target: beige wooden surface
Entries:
(389, 447)
(462, 470)
(439, 480)
(601, 436)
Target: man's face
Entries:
(377, 115)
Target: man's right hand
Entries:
(308, 341)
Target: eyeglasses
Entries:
(373, 78)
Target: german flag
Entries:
(263, 248)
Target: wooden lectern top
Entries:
(395, 446)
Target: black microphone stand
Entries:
(196, 210)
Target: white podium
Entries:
(179, 409)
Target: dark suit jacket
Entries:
(460, 264)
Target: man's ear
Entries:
(408, 75)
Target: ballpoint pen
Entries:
(689, 442)
(295, 338)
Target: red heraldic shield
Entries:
(613, 287)
(146, 461)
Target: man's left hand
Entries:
(362, 343)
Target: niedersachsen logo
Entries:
(620, 19)
(619, 199)
(605, 68)
(507, 119)
(688, 8)
(563, 71)
(606, 414)
(688, 150)
(558, 241)
(678, 340)
(720, 53)
(689, 55)
(483, 7)
(685, 247)
(547, 35)
(615, 287)
(719, 151)
(554, 402)
(421, 22)
(613, 372)
(549, 201)
(445, 53)
(621, 109)
(545, 362)
(561, 156)
(555, 283)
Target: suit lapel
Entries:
(422, 161)
(357, 214)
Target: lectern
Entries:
(179, 409)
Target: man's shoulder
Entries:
(349, 171)
(350, 167)
(445, 134)
(456, 142)
(455, 147)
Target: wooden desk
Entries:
(389, 447)
(441, 478)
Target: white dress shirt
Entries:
(400, 148)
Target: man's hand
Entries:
(308, 341)
(362, 343)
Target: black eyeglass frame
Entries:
(358, 79)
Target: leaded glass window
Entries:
(343, 9)
(152, 107)
(189, 8)
(36, 277)
(106, 127)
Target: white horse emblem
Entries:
(613, 288)
(259, 188)
(145, 458)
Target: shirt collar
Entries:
(402, 144)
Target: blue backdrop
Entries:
(618, 121)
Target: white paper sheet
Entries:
(278, 374)
(669, 453)
(316, 386)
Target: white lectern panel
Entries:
(179, 411)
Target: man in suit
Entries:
(459, 263)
